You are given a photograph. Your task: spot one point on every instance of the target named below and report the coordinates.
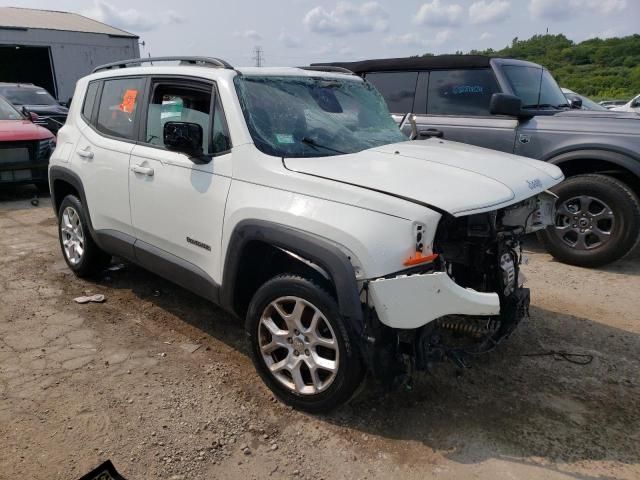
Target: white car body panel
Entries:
(457, 178)
(627, 107)
(181, 199)
(410, 301)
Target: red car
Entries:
(25, 148)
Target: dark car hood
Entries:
(45, 110)
(576, 114)
(586, 122)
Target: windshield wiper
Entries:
(313, 143)
(541, 105)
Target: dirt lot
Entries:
(80, 384)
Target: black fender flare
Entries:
(615, 158)
(320, 252)
(57, 172)
(62, 173)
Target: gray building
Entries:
(54, 49)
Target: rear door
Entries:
(101, 155)
(458, 109)
(177, 202)
(402, 91)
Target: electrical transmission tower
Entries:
(258, 56)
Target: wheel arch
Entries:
(254, 241)
(606, 162)
(63, 182)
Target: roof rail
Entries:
(328, 68)
(202, 61)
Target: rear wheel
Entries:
(300, 345)
(80, 252)
(597, 221)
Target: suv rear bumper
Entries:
(411, 301)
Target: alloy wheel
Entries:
(72, 235)
(298, 345)
(584, 222)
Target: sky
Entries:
(298, 32)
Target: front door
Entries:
(458, 110)
(178, 200)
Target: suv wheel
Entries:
(300, 345)
(80, 252)
(597, 221)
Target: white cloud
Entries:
(335, 50)
(130, 18)
(420, 40)
(493, 11)
(347, 18)
(437, 14)
(563, 10)
(289, 41)
(407, 40)
(249, 34)
(486, 36)
(442, 37)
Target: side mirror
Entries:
(30, 115)
(504, 104)
(183, 137)
(575, 102)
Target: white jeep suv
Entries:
(290, 197)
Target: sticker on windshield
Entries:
(284, 138)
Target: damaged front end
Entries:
(465, 302)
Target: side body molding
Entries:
(325, 255)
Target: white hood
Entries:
(457, 178)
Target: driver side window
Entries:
(177, 103)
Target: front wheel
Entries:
(300, 345)
(597, 221)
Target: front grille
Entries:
(26, 160)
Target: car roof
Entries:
(218, 73)
(429, 62)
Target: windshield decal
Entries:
(284, 138)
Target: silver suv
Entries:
(517, 107)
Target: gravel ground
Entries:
(159, 381)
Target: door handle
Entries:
(142, 170)
(431, 132)
(86, 153)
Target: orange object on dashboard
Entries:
(419, 259)
(129, 101)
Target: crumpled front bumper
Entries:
(411, 301)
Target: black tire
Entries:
(93, 259)
(350, 371)
(624, 228)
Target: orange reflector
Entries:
(419, 259)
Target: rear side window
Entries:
(397, 88)
(118, 107)
(461, 92)
(90, 101)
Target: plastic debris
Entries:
(97, 298)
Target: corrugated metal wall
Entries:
(74, 54)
